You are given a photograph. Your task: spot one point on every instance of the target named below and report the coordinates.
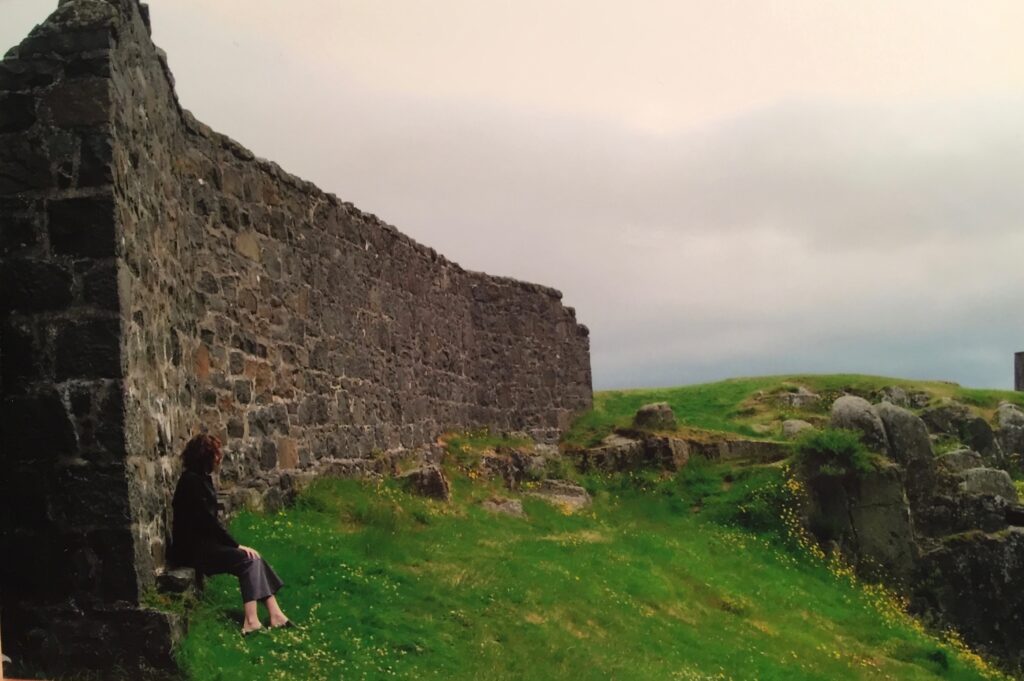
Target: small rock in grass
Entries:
(428, 481)
(512, 507)
(656, 416)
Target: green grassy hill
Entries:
(702, 574)
(751, 406)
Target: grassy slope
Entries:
(728, 406)
(682, 578)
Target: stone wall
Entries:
(158, 279)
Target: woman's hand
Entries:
(252, 553)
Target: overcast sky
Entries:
(720, 187)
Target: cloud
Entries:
(815, 234)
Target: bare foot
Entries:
(250, 627)
(276, 622)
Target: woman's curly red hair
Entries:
(201, 453)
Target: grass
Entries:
(746, 406)
(683, 577)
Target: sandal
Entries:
(288, 624)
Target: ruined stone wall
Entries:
(158, 279)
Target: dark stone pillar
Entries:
(1018, 371)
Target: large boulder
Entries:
(979, 436)
(910, 446)
(946, 418)
(656, 416)
(906, 434)
(989, 481)
(1009, 415)
(880, 516)
(972, 580)
(1010, 418)
(856, 413)
(960, 460)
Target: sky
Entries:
(719, 187)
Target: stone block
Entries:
(83, 227)
(17, 232)
(33, 285)
(36, 427)
(90, 496)
(27, 74)
(17, 112)
(24, 166)
(175, 580)
(81, 102)
(89, 349)
(268, 454)
(18, 356)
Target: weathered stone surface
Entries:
(512, 507)
(34, 285)
(429, 481)
(176, 580)
(910, 446)
(894, 394)
(657, 416)
(562, 493)
(989, 481)
(960, 460)
(36, 427)
(83, 226)
(946, 418)
(978, 435)
(880, 515)
(856, 413)
(791, 428)
(974, 579)
(1009, 414)
(89, 349)
(17, 112)
(79, 102)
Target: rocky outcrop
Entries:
(959, 460)
(563, 493)
(867, 516)
(855, 413)
(656, 416)
(973, 579)
(619, 453)
(991, 481)
(1010, 419)
(910, 447)
(952, 542)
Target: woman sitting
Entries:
(201, 542)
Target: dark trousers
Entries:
(256, 578)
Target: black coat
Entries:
(196, 526)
